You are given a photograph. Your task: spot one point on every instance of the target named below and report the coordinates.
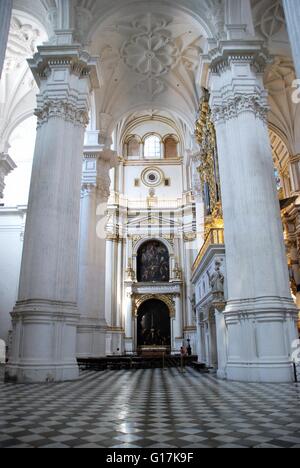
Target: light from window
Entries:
(152, 147)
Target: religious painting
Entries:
(153, 263)
(154, 327)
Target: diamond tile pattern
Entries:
(149, 409)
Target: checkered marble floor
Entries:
(149, 409)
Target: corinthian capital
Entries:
(233, 106)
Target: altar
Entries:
(153, 351)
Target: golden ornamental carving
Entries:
(209, 167)
(189, 236)
(112, 236)
(138, 300)
(177, 272)
(130, 271)
(136, 239)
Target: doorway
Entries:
(153, 324)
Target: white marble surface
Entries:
(46, 315)
(292, 15)
(260, 314)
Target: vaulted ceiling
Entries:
(149, 58)
(149, 53)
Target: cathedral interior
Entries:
(150, 207)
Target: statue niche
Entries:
(153, 263)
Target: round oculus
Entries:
(152, 177)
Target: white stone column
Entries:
(292, 15)
(6, 166)
(200, 338)
(88, 291)
(5, 18)
(46, 315)
(213, 355)
(221, 344)
(178, 325)
(110, 293)
(91, 337)
(260, 308)
(129, 332)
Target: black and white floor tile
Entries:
(149, 409)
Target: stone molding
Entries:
(239, 104)
(6, 166)
(237, 66)
(62, 110)
(65, 75)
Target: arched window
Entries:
(152, 147)
(171, 147)
(153, 262)
(133, 147)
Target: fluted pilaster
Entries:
(91, 335)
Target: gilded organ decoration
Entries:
(153, 262)
(209, 168)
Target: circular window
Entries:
(152, 177)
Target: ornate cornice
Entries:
(232, 52)
(72, 57)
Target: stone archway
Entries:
(153, 324)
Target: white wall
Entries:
(11, 244)
(172, 172)
(22, 142)
(12, 218)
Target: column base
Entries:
(263, 372)
(129, 346)
(261, 333)
(43, 342)
(222, 374)
(23, 373)
(191, 334)
(91, 338)
(115, 341)
(178, 343)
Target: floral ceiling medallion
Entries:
(151, 54)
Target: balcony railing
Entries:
(214, 237)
